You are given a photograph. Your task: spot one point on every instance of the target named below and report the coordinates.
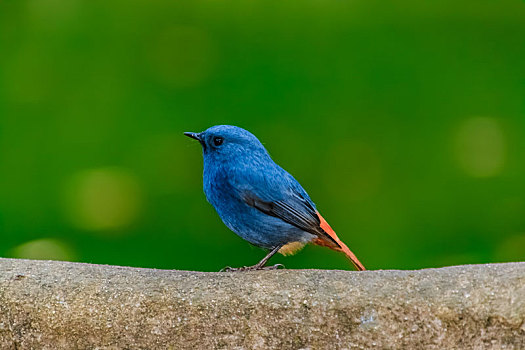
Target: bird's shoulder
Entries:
(271, 183)
(265, 179)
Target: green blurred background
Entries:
(405, 122)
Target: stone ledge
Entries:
(61, 305)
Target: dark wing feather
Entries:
(295, 211)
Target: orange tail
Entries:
(343, 248)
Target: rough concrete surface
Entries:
(61, 305)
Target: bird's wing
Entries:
(294, 209)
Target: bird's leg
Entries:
(260, 264)
(264, 260)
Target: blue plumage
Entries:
(239, 164)
(255, 197)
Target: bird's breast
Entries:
(218, 190)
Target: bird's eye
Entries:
(217, 141)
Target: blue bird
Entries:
(259, 200)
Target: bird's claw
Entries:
(273, 267)
(251, 268)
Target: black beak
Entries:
(194, 135)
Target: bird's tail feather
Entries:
(341, 246)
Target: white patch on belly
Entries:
(291, 248)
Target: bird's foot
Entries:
(251, 268)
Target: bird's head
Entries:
(225, 141)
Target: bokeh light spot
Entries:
(480, 147)
(44, 249)
(103, 199)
